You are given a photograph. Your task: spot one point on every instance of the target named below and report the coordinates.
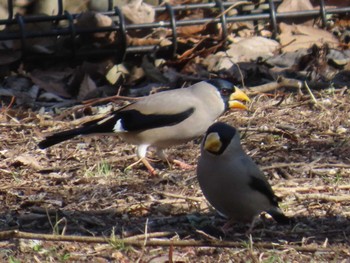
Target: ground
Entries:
(80, 188)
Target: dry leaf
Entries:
(292, 6)
(92, 19)
(54, 81)
(138, 12)
(27, 160)
(333, 3)
(193, 29)
(295, 37)
(87, 87)
(116, 72)
(250, 49)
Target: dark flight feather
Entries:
(263, 187)
(131, 120)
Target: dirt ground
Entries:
(80, 188)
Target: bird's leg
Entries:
(149, 167)
(146, 163)
(161, 154)
(250, 230)
(227, 226)
(129, 167)
(182, 165)
(141, 154)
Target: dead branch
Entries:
(324, 165)
(187, 198)
(150, 235)
(15, 234)
(280, 83)
(273, 130)
(323, 197)
(311, 188)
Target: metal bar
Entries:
(173, 28)
(307, 13)
(121, 49)
(273, 19)
(5, 35)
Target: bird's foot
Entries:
(252, 224)
(182, 165)
(227, 227)
(149, 167)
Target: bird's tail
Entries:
(280, 218)
(60, 137)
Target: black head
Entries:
(219, 135)
(231, 95)
(225, 88)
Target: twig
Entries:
(107, 99)
(188, 198)
(311, 94)
(324, 165)
(29, 125)
(15, 234)
(311, 188)
(146, 237)
(150, 235)
(323, 197)
(273, 130)
(281, 82)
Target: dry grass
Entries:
(80, 188)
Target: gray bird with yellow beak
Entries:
(231, 181)
(163, 119)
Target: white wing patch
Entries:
(118, 127)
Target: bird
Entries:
(162, 119)
(231, 181)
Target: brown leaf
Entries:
(194, 29)
(27, 160)
(249, 49)
(294, 37)
(92, 19)
(87, 88)
(291, 6)
(138, 12)
(54, 81)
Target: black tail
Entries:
(60, 137)
(101, 125)
(280, 218)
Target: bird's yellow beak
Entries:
(212, 142)
(236, 98)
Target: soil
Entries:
(81, 188)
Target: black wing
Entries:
(131, 120)
(263, 187)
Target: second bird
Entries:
(231, 181)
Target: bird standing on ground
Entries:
(163, 119)
(231, 181)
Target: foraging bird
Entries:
(231, 181)
(163, 119)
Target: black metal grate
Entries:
(120, 49)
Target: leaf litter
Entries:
(80, 187)
(76, 202)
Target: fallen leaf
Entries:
(54, 81)
(87, 88)
(250, 49)
(27, 160)
(138, 12)
(294, 37)
(292, 6)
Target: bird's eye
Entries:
(225, 92)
